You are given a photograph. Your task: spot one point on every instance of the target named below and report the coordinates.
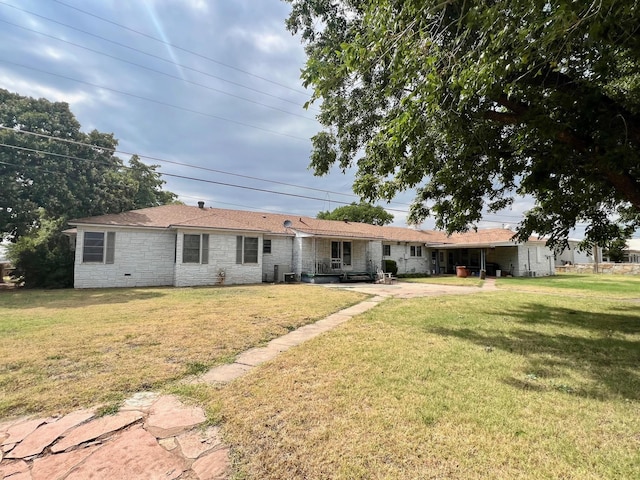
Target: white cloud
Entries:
(266, 41)
(52, 53)
(30, 88)
(200, 6)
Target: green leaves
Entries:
(362, 212)
(479, 102)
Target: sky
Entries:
(211, 84)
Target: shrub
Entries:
(43, 258)
(390, 266)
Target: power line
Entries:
(115, 151)
(166, 104)
(158, 71)
(123, 45)
(182, 164)
(184, 177)
(177, 47)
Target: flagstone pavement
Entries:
(156, 436)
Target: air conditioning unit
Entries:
(279, 271)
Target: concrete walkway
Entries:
(159, 437)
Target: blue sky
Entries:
(208, 83)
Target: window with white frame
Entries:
(246, 249)
(386, 250)
(266, 246)
(99, 247)
(195, 248)
(415, 250)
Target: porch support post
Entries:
(315, 256)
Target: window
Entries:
(386, 250)
(416, 250)
(346, 253)
(94, 248)
(191, 252)
(191, 249)
(111, 247)
(246, 249)
(266, 246)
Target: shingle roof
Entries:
(175, 216)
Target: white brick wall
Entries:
(140, 259)
(375, 255)
(401, 254)
(281, 254)
(222, 257)
(535, 258)
(573, 255)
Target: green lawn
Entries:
(447, 280)
(594, 285)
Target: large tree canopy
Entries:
(475, 103)
(43, 177)
(359, 212)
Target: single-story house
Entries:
(632, 251)
(182, 245)
(573, 255)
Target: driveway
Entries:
(402, 289)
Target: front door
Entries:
(336, 256)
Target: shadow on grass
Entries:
(599, 353)
(67, 298)
(586, 283)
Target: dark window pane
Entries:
(346, 253)
(93, 248)
(111, 247)
(191, 249)
(205, 248)
(250, 250)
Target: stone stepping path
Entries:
(151, 437)
(255, 356)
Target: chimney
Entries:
(200, 204)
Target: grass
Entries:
(65, 349)
(495, 385)
(447, 280)
(616, 286)
(517, 383)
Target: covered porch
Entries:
(335, 259)
(493, 260)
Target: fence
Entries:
(614, 268)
